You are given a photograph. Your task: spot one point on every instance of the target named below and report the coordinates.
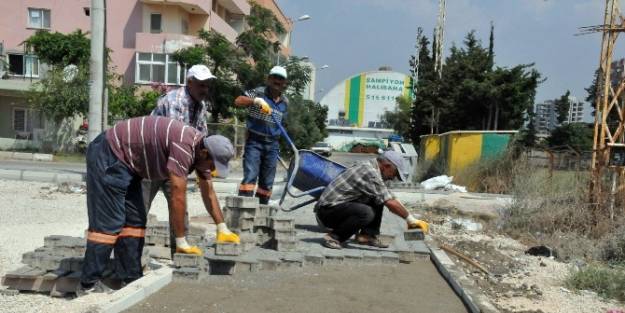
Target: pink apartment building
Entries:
(142, 34)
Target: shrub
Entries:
(605, 281)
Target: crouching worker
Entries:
(150, 147)
(353, 202)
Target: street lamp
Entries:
(302, 18)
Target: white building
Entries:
(356, 105)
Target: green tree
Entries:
(58, 49)
(399, 119)
(245, 66)
(426, 102)
(527, 135)
(124, 102)
(563, 104)
(578, 136)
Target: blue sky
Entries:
(352, 36)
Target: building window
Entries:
(38, 18)
(19, 119)
(185, 26)
(155, 23)
(23, 65)
(159, 68)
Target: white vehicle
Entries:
(322, 148)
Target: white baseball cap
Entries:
(278, 71)
(200, 72)
(397, 160)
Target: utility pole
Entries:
(609, 136)
(96, 62)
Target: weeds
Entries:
(608, 282)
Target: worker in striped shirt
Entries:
(186, 104)
(148, 147)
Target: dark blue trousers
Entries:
(117, 216)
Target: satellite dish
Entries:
(69, 73)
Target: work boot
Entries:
(97, 287)
(369, 240)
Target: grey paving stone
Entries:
(313, 258)
(352, 255)
(247, 265)
(188, 273)
(282, 223)
(371, 257)
(333, 257)
(241, 202)
(284, 235)
(267, 210)
(221, 267)
(413, 234)
(182, 260)
(55, 241)
(158, 252)
(389, 257)
(269, 264)
(227, 249)
(246, 223)
(285, 245)
(419, 247)
(261, 221)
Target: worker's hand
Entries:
(189, 250)
(416, 223)
(224, 235)
(265, 108)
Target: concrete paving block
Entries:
(47, 177)
(282, 223)
(386, 238)
(419, 247)
(389, 257)
(9, 292)
(187, 273)
(157, 240)
(247, 265)
(261, 221)
(195, 240)
(284, 235)
(248, 236)
(269, 264)
(23, 156)
(246, 223)
(43, 157)
(196, 231)
(413, 234)
(227, 249)
(370, 257)
(241, 202)
(247, 246)
(313, 258)
(285, 245)
(11, 174)
(6, 154)
(333, 257)
(188, 260)
(291, 260)
(267, 210)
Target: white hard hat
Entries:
(278, 71)
(200, 72)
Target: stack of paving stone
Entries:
(269, 241)
(56, 268)
(157, 238)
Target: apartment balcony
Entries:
(236, 6)
(219, 25)
(191, 6)
(163, 42)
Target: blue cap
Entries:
(221, 151)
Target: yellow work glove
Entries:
(265, 108)
(416, 223)
(190, 250)
(183, 247)
(224, 235)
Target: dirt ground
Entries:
(413, 287)
(518, 282)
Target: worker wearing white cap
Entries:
(187, 104)
(262, 147)
(353, 202)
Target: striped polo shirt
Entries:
(155, 146)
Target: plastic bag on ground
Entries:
(436, 182)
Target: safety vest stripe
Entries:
(247, 187)
(129, 231)
(263, 192)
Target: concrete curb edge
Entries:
(474, 300)
(138, 290)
